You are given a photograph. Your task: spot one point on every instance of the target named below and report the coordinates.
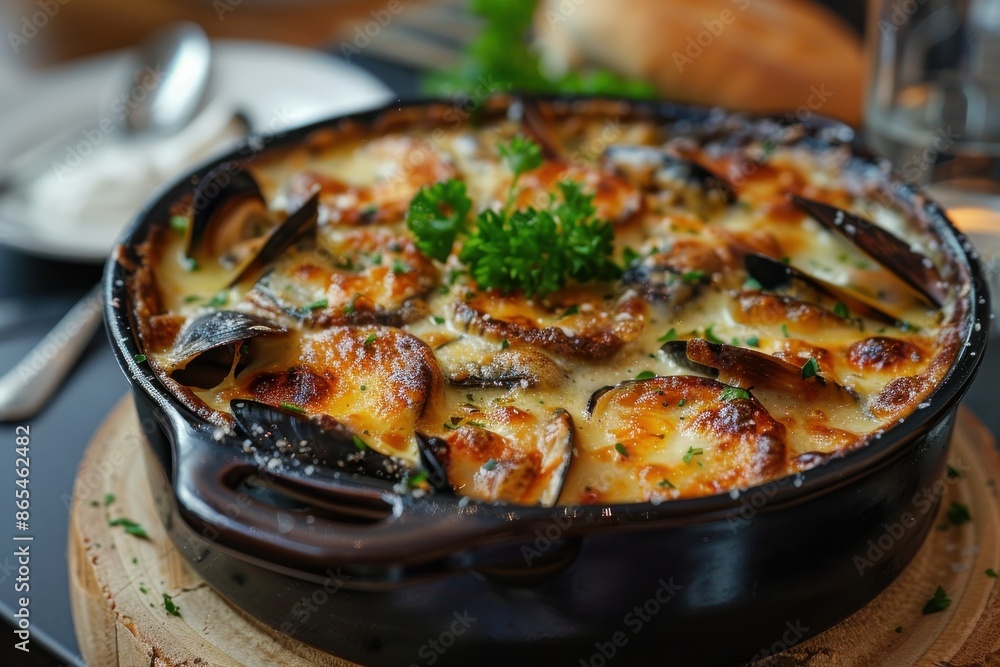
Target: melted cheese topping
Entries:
(392, 344)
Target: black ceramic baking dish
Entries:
(713, 580)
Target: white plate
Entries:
(272, 86)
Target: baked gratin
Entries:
(550, 303)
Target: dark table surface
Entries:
(34, 293)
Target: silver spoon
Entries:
(182, 54)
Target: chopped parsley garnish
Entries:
(399, 267)
(784, 330)
(840, 310)
(990, 572)
(191, 298)
(168, 604)
(219, 300)
(810, 368)
(533, 250)
(958, 514)
(669, 336)
(752, 283)
(630, 256)
(572, 310)
(143, 589)
(108, 499)
(711, 337)
(753, 341)
(681, 402)
(665, 483)
(370, 338)
(292, 407)
(130, 526)
(953, 472)
(645, 375)
(437, 215)
(939, 602)
(359, 443)
(692, 452)
(417, 479)
(621, 449)
(179, 223)
(438, 319)
(733, 393)
(504, 344)
(139, 357)
(908, 327)
(693, 277)
(315, 305)
(190, 264)
(490, 465)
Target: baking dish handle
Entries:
(415, 532)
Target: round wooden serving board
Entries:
(118, 580)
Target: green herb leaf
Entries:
(179, 223)
(784, 330)
(168, 604)
(753, 341)
(939, 602)
(315, 305)
(958, 514)
(681, 402)
(139, 357)
(810, 368)
(693, 277)
(692, 452)
(521, 155)
(734, 393)
(108, 499)
(621, 449)
(538, 251)
(436, 216)
(752, 284)
(490, 465)
(665, 483)
(645, 375)
(438, 319)
(711, 337)
(417, 479)
(370, 338)
(292, 407)
(399, 267)
(359, 443)
(990, 572)
(504, 344)
(130, 526)
(840, 310)
(953, 472)
(669, 336)
(219, 300)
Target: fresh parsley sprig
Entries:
(437, 215)
(533, 250)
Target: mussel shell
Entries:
(676, 350)
(319, 439)
(435, 458)
(213, 330)
(297, 226)
(915, 270)
(663, 166)
(771, 274)
(218, 195)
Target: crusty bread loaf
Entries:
(758, 55)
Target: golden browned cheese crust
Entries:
(686, 376)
